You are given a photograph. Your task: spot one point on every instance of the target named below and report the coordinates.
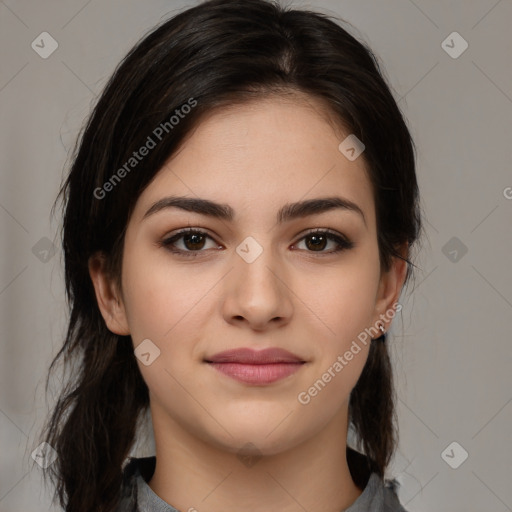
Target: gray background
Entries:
(451, 346)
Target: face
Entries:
(254, 280)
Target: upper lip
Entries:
(251, 356)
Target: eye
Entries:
(194, 241)
(319, 238)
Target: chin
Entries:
(258, 439)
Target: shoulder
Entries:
(379, 495)
(134, 467)
(390, 496)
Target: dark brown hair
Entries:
(220, 52)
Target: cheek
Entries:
(344, 302)
(160, 297)
(163, 304)
(343, 299)
(350, 310)
(340, 345)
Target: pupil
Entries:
(320, 241)
(194, 240)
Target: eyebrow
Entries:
(287, 213)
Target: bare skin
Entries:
(310, 301)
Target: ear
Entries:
(108, 297)
(390, 287)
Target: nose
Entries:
(258, 294)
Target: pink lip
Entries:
(256, 367)
(250, 356)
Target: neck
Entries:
(193, 474)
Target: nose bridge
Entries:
(257, 291)
(257, 263)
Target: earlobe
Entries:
(108, 298)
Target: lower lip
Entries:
(257, 373)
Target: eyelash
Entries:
(343, 244)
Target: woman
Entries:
(238, 225)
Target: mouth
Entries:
(256, 367)
(257, 374)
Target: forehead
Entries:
(261, 155)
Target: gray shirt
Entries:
(137, 496)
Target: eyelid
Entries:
(342, 241)
(329, 231)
